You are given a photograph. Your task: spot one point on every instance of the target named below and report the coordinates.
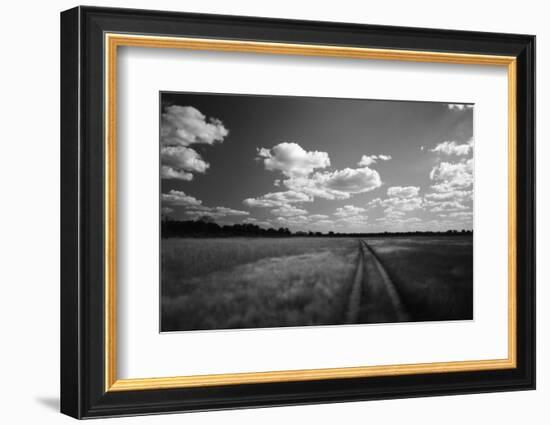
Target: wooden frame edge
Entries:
(137, 384)
(114, 40)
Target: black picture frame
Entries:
(83, 392)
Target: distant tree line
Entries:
(208, 228)
(204, 228)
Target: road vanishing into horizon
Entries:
(373, 297)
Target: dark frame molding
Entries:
(82, 205)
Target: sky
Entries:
(317, 164)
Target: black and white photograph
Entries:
(282, 211)
(261, 209)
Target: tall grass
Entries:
(249, 283)
(231, 283)
(434, 276)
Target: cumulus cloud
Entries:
(446, 206)
(194, 207)
(395, 203)
(449, 176)
(314, 187)
(411, 220)
(350, 215)
(277, 199)
(325, 222)
(393, 214)
(349, 210)
(453, 181)
(305, 182)
(301, 221)
(402, 204)
(223, 211)
(353, 221)
(215, 212)
(178, 198)
(170, 173)
(461, 215)
(450, 195)
(459, 106)
(296, 220)
(186, 125)
(400, 201)
(339, 184)
(181, 127)
(318, 217)
(292, 160)
(403, 191)
(288, 211)
(367, 160)
(396, 221)
(351, 180)
(183, 160)
(454, 148)
(313, 221)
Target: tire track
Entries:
(354, 300)
(390, 307)
(373, 297)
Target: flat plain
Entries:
(232, 283)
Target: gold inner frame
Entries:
(113, 41)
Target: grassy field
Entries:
(434, 276)
(255, 282)
(230, 283)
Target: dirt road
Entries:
(373, 296)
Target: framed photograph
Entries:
(261, 212)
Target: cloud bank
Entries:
(180, 128)
(454, 148)
(367, 160)
(292, 160)
(193, 208)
